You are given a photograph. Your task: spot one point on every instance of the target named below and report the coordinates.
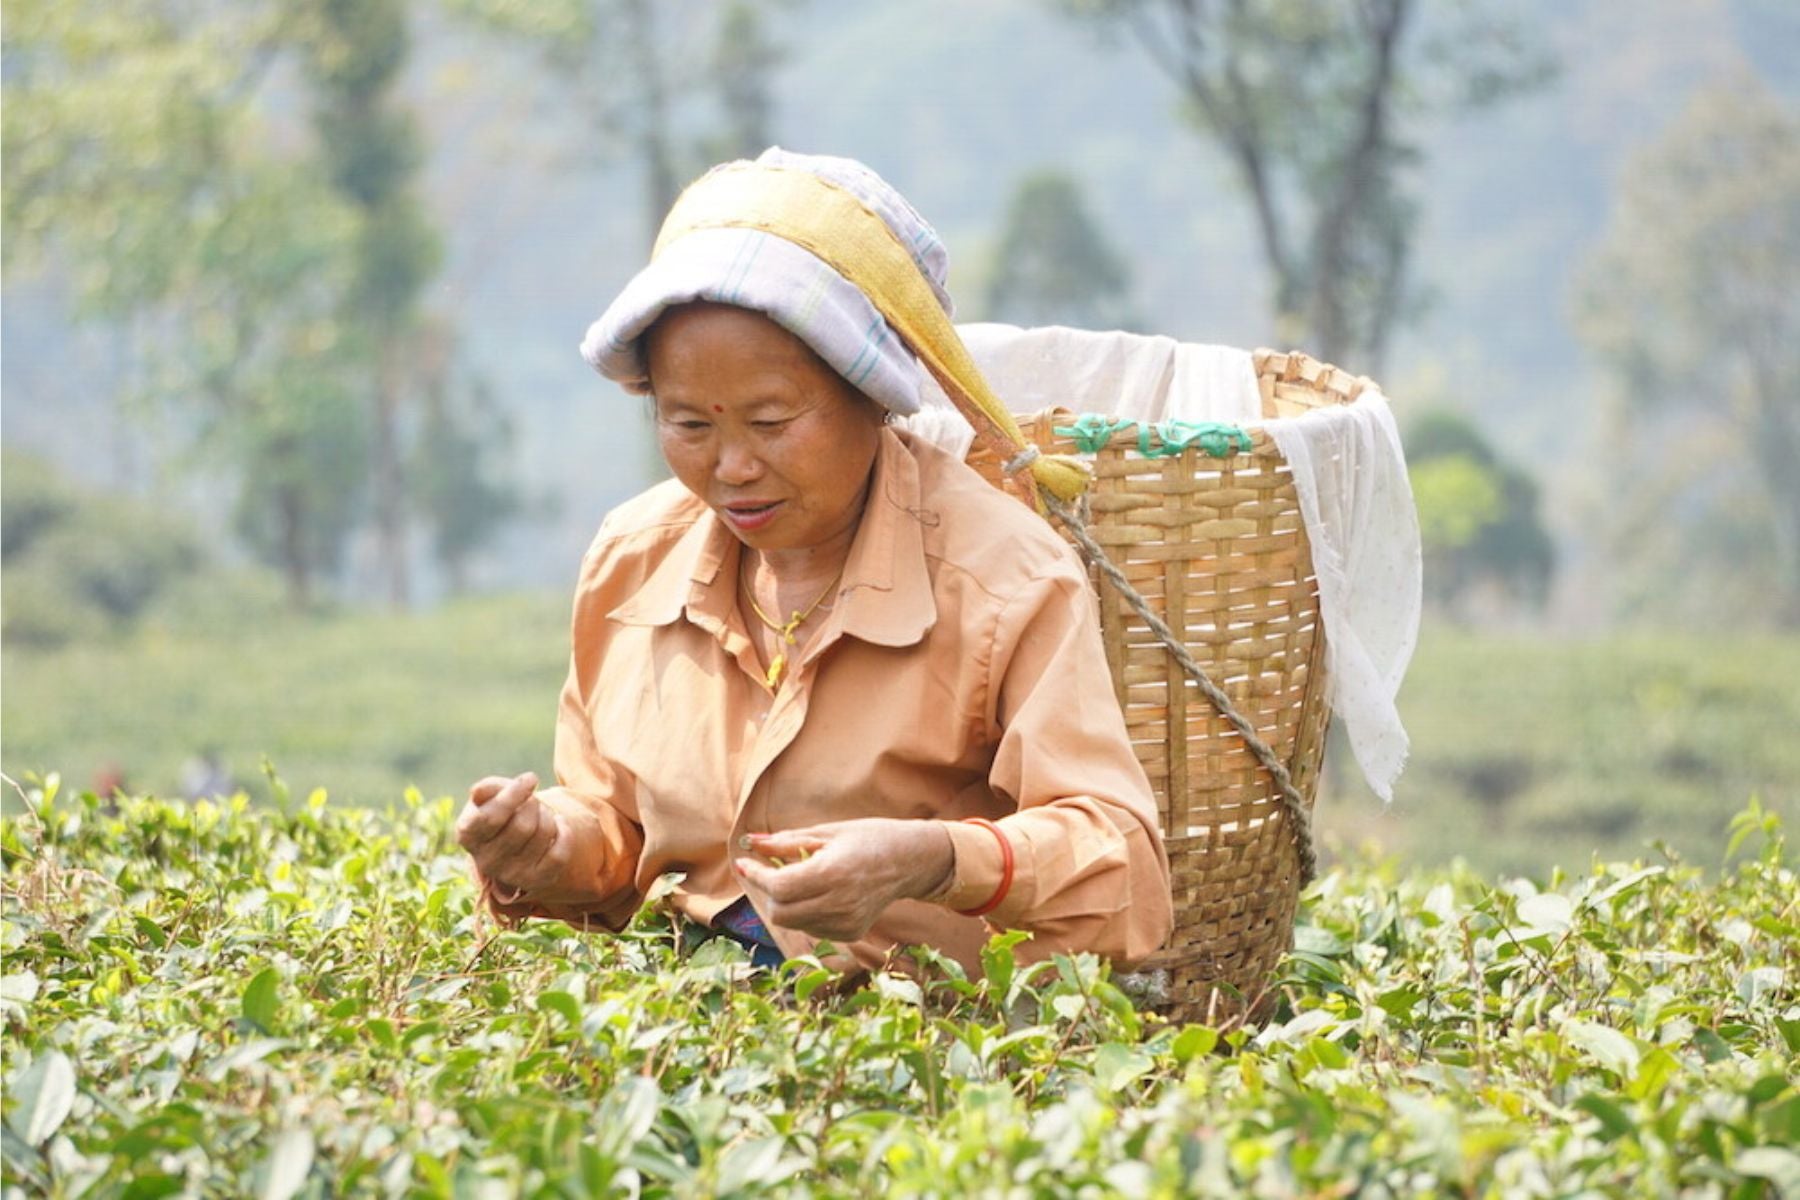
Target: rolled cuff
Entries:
(980, 868)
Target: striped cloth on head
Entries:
(757, 270)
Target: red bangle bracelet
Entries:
(1006, 870)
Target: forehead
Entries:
(701, 341)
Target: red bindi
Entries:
(718, 408)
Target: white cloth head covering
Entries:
(753, 269)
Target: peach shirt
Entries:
(959, 673)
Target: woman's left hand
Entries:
(839, 877)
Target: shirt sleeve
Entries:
(596, 800)
(1090, 870)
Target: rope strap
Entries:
(1021, 460)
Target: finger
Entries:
(756, 874)
(822, 921)
(520, 866)
(788, 846)
(513, 792)
(494, 829)
(486, 788)
(550, 853)
(510, 841)
(818, 878)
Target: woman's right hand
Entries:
(516, 840)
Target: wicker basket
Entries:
(1218, 548)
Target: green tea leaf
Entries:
(1605, 1045)
(807, 984)
(261, 999)
(562, 1004)
(753, 1162)
(898, 987)
(1313, 940)
(1779, 1166)
(1194, 1041)
(1551, 911)
(42, 1097)
(1117, 1065)
(1759, 982)
(19, 990)
(288, 1165)
(1613, 1119)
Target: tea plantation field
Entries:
(1529, 750)
(298, 998)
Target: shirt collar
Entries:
(886, 594)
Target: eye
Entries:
(770, 424)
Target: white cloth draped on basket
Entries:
(1349, 472)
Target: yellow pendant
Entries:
(776, 666)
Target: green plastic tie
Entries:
(1216, 439)
(1091, 432)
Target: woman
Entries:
(846, 687)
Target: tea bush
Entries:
(303, 1000)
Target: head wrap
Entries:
(844, 263)
(756, 269)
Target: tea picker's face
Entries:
(756, 425)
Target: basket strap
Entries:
(1299, 813)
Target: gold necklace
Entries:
(785, 630)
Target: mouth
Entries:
(750, 514)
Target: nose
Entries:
(738, 463)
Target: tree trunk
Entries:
(1328, 318)
(1777, 450)
(390, 480)
(652, 133)
(296, 570)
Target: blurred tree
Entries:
(455, 487)
(1310, 100)
(1692, 300)
(137, 164)
(1478, 516)
(306, 452)
(1054, 265)
(79, 565)
(639, 74)
(355, 52)
(33, 499)
(744, 61)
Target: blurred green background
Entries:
(300, 460)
